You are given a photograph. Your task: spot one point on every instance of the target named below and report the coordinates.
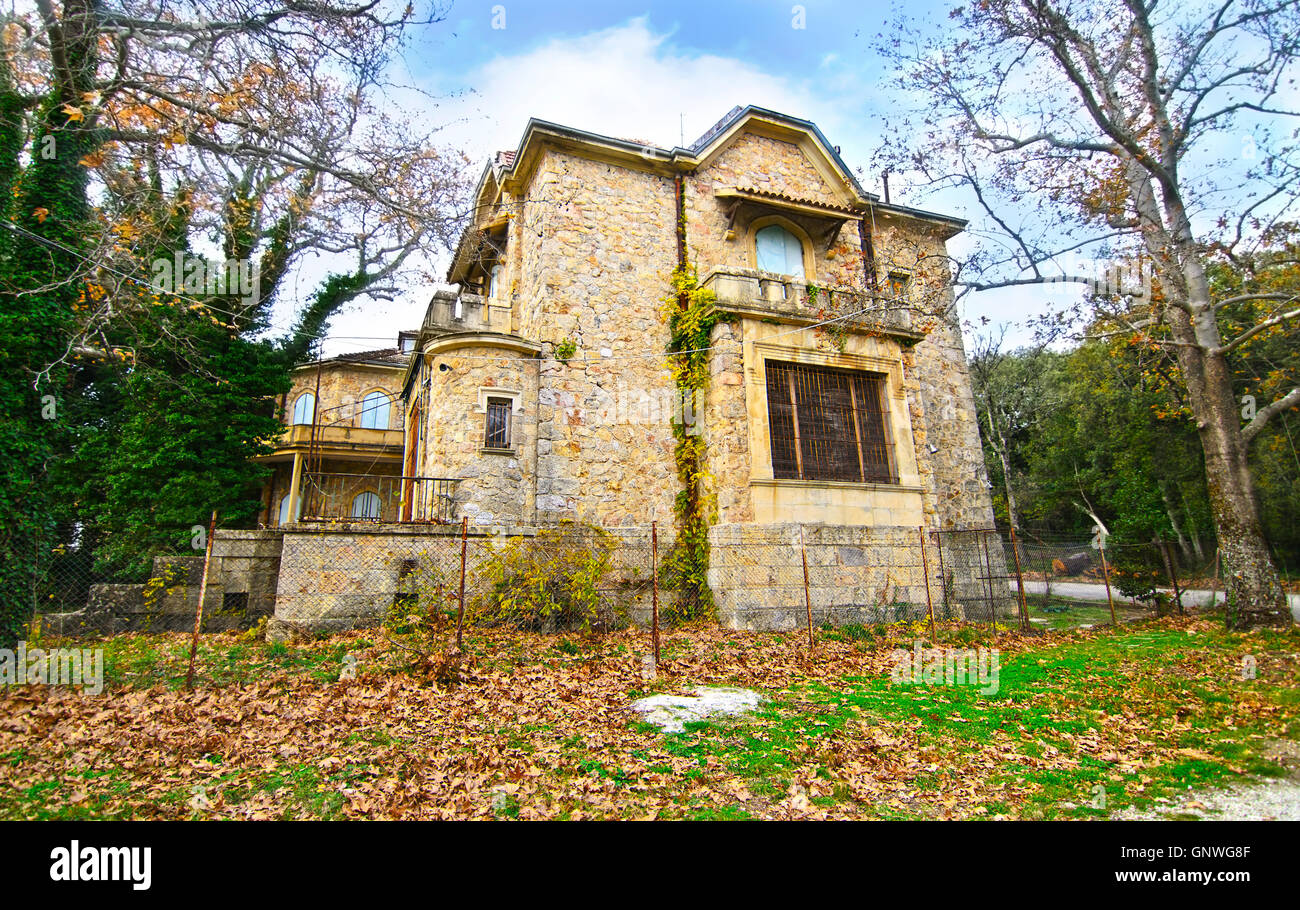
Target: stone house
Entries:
(539, 390)
(341, 452)
(836, 420)
(868, 425)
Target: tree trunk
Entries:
(1254, 590)
(1183, 546)
(1255, 595)
(1196, 535)
(1013, 513)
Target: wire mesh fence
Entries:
(322, 579)
(76, 597)
(539, 580)
(1140, 577)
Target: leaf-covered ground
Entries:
(539, 727)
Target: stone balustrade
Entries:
(768, 294)
(450, 312)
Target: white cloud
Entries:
(625, 81)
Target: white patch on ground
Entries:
(1254, 800)
(1276, 800)
(671, 712)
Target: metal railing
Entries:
(332, 496)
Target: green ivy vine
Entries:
(691, 314)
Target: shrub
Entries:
(548, 582)
(1135, 572)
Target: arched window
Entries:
(374, 411)
(284, 510)
(366, 505)
(304, 409)
(494, 282)
(779, 251)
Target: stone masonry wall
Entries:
(495, 487)
(856, 575)
(609, 251)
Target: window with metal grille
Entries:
(498, 424)
(828, 424)
(899, 286)
(366, 505)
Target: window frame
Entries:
(379, 506)
(498, 403)
(297, 402)
(768, 224)
(387, 411)
(901, 278)
(801, 411)
(281, 517)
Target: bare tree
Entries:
(261, 124)
(1127, 129)
(1009, 398)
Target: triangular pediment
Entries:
(749, 141)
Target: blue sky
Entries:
(657, 72)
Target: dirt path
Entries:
(1077, 590)
(1263, 799)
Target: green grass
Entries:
(141, 661)
(1047, 700)
(1166, 706)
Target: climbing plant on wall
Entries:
(691, 314)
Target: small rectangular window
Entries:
(899, 286)
(498, 424)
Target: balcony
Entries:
(765, 295)
(334, 441)
(339, 432)
(451, 313)
(331, 497)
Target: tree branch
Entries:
(1264, 415)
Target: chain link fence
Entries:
(323, 579)
(1141, 578)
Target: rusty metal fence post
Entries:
(1168, 560)
(1020, 582)
(654, 577)
(988, 577)
(460, 606)
(925, 573)
(1105, 573)
(807, 598)
(203, 593)
(1173, 576)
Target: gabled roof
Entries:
(512, 169)
(645, 156)
(761, 119)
